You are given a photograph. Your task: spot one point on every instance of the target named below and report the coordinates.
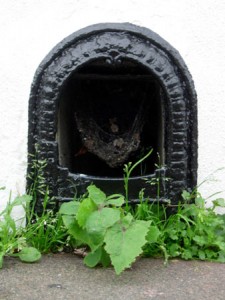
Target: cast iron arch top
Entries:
(113, 43)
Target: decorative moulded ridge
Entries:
(104, 96)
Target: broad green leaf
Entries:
(153, 234)
(69, 208)
(29, 254)
(68, 220)
(99, 256)
(96, 195)
(93, 258)
(174, 249)
(86, 208)
(200, 240)
(127, 220)
(219, 202)
(124, 244)
(102, 219)
(210, 253)
(115, 200)
(105, 259)
(93, 240)
(173, 233)
(186, 195)
(187, 254)
(200, 202)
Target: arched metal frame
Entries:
(114, 43)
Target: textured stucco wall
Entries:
(30, 28)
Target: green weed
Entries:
(193, 232)
(45, 231)
(44, 227)
(109, 229)
(12, 241)
(110, 233)
(128, 169)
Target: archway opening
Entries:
(103, 97)
(110, 114)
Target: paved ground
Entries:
(63, 276)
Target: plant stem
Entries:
(128, 169)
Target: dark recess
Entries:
(112, 96)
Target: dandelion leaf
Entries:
(96, 195)
(93, 240)
(105, 259)
(68, 220)
(86, 208)
(153, 234)
(124, 243)
(93, 258)
(69, 208)
(115, 200)
(102, 219)
(219, 202)
(29, 254)
(99, 256)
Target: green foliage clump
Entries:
(34, 233)
(101, 223)
(193, 232)
(12, 240)
(109, 229)
(45, 231)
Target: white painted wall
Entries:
(30, 28)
